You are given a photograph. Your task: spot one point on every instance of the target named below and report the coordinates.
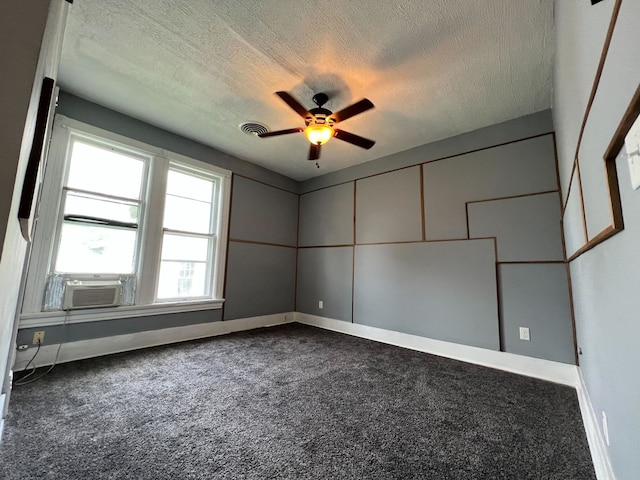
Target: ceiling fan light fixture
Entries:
(319, 134)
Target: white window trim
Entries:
(43, 319)
(43, 246)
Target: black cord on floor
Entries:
(55, 360)
(17, 382)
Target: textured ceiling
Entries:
(200, 68)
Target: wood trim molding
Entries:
(565, 201)
(512, 196)
(608, 232)
(598, 76)
(256, 242)
(616, 144)
(489, 147)
(422, 214)
(615, 203)
(295, 285)
(226, 257)
(581, 198)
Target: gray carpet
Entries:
(291, 402)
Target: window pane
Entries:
(187, 215)
(105, 171)
(182, 279)
(183, 247)
(95, 249)
(87, 205)
(189, 186)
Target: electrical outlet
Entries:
(524, 333)
(605, 428)
(38, 337)
(320, 304)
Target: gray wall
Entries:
(325, 274)
(606, 279)
(74, 332)
(465, 255)
(523, 127)
(382, 219)
(326, 217)
(261, 264)
(441, 290)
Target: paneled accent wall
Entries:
(596, 88)
(464, 249)
(261, 263)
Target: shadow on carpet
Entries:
(292, 402)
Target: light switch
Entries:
(634, 170)
(524, 333)
(632, 146)
(320, 304)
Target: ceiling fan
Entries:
(320, 123)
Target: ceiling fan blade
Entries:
(358, 107)
(314, 152)
(281, 132)
(354, 139)
(293, 103)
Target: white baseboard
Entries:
(597, 446)
(122, 343)
(556, 372)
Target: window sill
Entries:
(41, 319)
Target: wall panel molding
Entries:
(611, 186)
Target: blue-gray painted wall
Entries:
(419, 265)
(347, 236)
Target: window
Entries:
(101, 202)
(114, 209)
(187, 240)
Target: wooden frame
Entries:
(612, 152)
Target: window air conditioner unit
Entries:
(92, 294)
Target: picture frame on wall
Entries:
(26, 208)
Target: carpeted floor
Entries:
(290, 402)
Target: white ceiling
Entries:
(200, 68)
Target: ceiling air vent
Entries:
(253, 128)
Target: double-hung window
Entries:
(188, 241)
(100, 209)
(114, 211)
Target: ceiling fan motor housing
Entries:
(320, 116)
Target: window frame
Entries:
(212, 236)
(49, 219)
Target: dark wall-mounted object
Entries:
(593, 2)
(25, 209)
